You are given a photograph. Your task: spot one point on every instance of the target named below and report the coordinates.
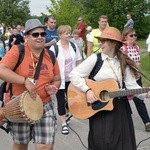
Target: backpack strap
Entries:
(21, 55)
(56, 48)
(97, 66)
(52, 56)
(20, 59)
(73, 46)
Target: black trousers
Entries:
(141, 107)
(62, 100)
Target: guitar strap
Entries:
(97, 66)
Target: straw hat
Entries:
(111, 33)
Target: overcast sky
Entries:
(38, 6)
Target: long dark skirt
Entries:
(112, 130)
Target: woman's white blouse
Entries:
(83, 70)
(75, 56)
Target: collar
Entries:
(104, 57)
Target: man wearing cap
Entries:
(43, 131)
(93, 45)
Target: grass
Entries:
(145, 62)
(142, 44)
(145, 68)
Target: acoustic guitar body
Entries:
(77, 102)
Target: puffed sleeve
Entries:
(82, 71)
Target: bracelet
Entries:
(88, 90)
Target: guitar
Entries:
(105, 90)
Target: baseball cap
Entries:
(32, 24)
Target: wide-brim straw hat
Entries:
(111, 33)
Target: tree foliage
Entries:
(65, 11)
(116, 11)
(13, 12)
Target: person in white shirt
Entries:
(67, 58)
(108, 129)
(148, 44)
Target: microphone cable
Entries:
(79, 138)
(142, 141)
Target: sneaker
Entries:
(65, 129)
(147, 127)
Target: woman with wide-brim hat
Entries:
(109, 130)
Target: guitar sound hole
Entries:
(104, 96)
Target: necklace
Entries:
(34, 64)
(119, 81)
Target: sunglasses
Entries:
(36, 34)
(133, 35)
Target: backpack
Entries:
(21, 50)
(56, 48)
(97, 66)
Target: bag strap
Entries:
(21, 55)
(38, 68)
(73, 46)
(97, 66)
(20, 59)
(52, 56)
(56, 48)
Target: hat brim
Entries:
(104, 38)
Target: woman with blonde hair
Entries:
(67, 58)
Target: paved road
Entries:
(72, 142)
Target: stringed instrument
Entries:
(105, 90)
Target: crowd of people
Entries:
(72, 51)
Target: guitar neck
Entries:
(128, 92)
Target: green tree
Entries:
(13, 12)
(116, 11)
(66, 11)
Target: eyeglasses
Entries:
(36, 34)
(131, 35)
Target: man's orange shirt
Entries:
(26, 69)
